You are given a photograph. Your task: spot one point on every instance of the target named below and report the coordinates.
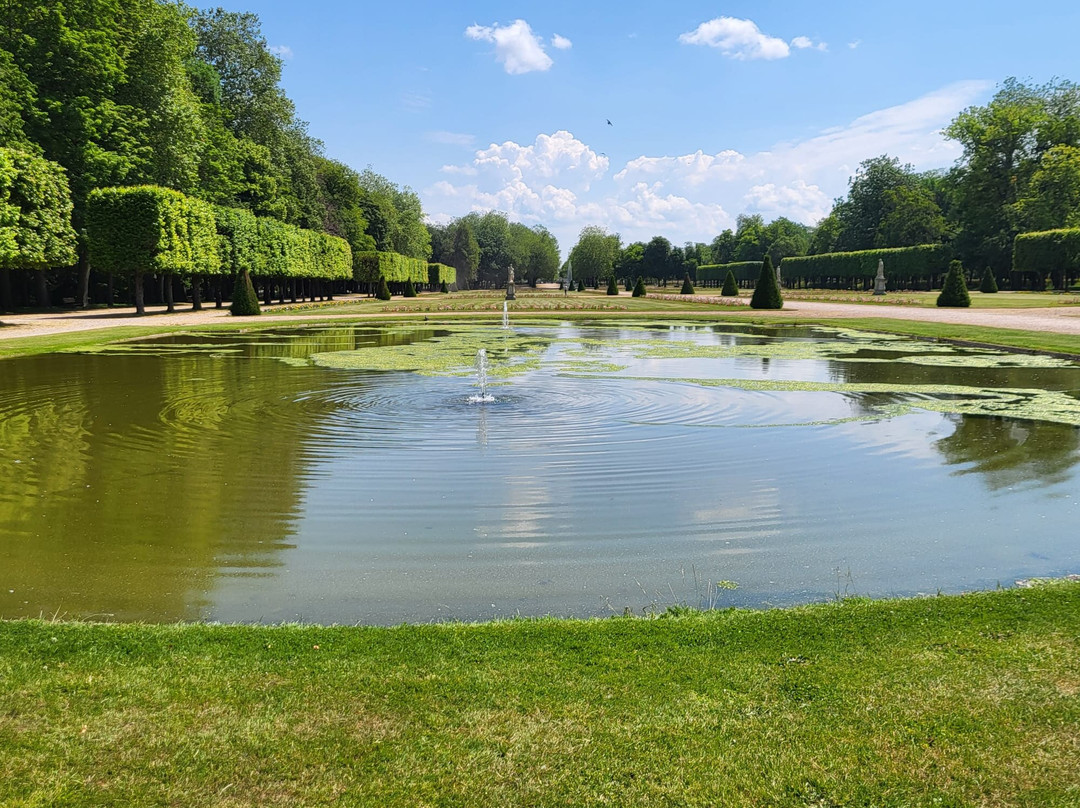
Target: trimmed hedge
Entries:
(368, 267)
(954, 294)
(923, 262)
(35, 213)
(238, 240)
(285, 251)
(767, 290)
(441, 274)
(245, 303)
(1047, 251)
(716, 274)
(145, 228)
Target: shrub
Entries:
(245, 302)
(639, 288)
(612, 286)
(441, 274)
(581, 286)
(410, 290)
(717, 273)
(989, 282)
(767, 290)
(396, 268)
(954, 293)
(901, 263)
(629, 284)
(383, 292)
(731, 288)
(687, 287)
(444, 288)
(35, 213)
(1050, 252)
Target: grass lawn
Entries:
(1000, 300)
(943, 701)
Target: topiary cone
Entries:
(245, 303)
(989, 282)
(687, 287)
(731, 288)
(612, 286)
(410, 290)
(639, 288)
(954, 294)
(383, 292)
(767, 290)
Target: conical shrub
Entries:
(629, 284)
(581, 286)
(731, 288)
(383, 292)
(639, 288)
(767, 291)
(443, 288)
(612, 286)
(954, 294)
(410, 290)
(989, 282)
(245, 302)
(687, 287)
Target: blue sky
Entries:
(717, 108)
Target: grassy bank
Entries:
(945, 701)
(1037, 341)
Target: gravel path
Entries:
(1061, 320)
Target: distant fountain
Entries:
(481, 379)
(506, 316)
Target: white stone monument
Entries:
(879, 281)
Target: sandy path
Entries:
(1061, 320)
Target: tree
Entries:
(731, 287)
(785, 238)
(989, 282)
(464, 253)
(1053, 197)
(750, 238)
(654, 258)
(723, 248)
(911, 217)
(954, 293)
(629, 261)
(767, 291)
(595, 253)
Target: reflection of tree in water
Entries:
(144, 479)
(1010, 453)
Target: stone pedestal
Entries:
(510, 285)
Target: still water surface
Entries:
(230, 478)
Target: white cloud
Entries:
(451, 138)
(855, 44)
(517, 48)
(738, 39)
(283, 51)
(560, 181)
(804, 42)
(561, 42)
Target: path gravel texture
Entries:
(1061, 320)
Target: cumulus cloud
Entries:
(737, 39)
(804, 42)
(561, 42)
(562, 182)
(517, 48)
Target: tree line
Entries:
(146, 92)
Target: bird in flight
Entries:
(609, 123)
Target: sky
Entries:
(715, 109)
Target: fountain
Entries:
(481, 379)
(506, 316)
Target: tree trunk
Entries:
(196, 293)
(268, 292)
(109, 292)
(217, 293)
(6, 303)
(83, 299)
(169, 307)
(42, 290)
(140, 308)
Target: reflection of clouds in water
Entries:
(911, 435)
(523, 514)
(755, 516)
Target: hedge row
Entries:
(440, 274)
(1049, 251)
(150, 229)
(35, 213)
(285, 251)
(714, 274)
(368, 267)
(924, 261)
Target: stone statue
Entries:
(510, 284)
(879, 281)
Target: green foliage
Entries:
(383, 292)
(396, 268)
(410, 290)
(285, 251)
(731, 287)
(35, 213)
(581, 286)
(767, 291)
(595, 253)
(629, 284)
(238, 240)
(989, 282)
(954, 294)
(1048, 251)
(741, 270)
(441, 274)
(151, 229)
(245, 303)
(639, 288)
(1053, 197)
(612, 286)
(444, 288)
(687, 287)
(923, 261)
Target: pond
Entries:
(340, 474)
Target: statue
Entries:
(510, 284)
(879, 281)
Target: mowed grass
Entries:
(998, 300)
(943, 701)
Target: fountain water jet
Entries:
(506, 316)
(481, 379)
